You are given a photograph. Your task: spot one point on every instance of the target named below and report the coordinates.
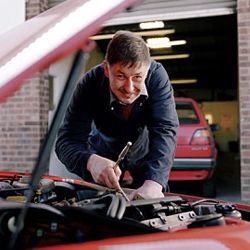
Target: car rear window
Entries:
(186, 113)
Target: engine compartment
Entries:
(63, 211)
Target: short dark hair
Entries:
(127, 48)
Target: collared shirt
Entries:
(94, 124)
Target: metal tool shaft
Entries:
(120, 158)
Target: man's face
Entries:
(126, 81)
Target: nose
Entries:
(129, 85)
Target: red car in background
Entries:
(196, 152)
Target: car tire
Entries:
(209, 187)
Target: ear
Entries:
(106, 69)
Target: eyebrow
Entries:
(136, 74)
(120, 72)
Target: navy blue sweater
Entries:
(94, 124)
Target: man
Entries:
(126, 98)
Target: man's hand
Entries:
(149, 189)
(102, 171)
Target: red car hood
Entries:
(200, 239)
(59, 31)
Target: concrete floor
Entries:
(228, 177)
(228, 180)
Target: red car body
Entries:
(196, 153)
(205, 239)
(47, 212)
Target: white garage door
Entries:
(149, 10)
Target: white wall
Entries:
(226, 114)
(12, 12)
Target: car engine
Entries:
(66, 211)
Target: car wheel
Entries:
(209, 188)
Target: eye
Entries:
(137, 78)
(120, 77)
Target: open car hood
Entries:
(58, 31)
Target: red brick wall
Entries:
(244, 94)
(24, 116)
(35, 7)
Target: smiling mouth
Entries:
(127, 96)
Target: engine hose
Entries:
(117, 206)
